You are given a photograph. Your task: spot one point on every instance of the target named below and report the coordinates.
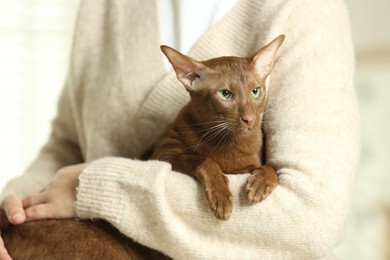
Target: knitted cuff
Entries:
(104, 183)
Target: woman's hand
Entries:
(11, 211)
(57, 200)
(3, 251)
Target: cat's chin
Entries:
(244, 130)
(247, 129)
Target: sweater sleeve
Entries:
(60, 150)
(311, 131)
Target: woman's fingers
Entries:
(40, 211)
(13, 208)
(56, 201)
(38, 198)
(3, 252)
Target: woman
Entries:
(119, 96)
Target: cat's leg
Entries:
(204, 169)
(216, 185)
(210, 175)
(261, 183)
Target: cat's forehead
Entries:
(228, 63)
(232, 69)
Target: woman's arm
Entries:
(311, 139)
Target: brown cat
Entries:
(69, 239)
(218, 132)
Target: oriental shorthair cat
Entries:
(218, 132)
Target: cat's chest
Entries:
(230, 163)
(233, 159)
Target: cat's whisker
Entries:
(211, 134)
(210, 130)
(263, 116)
(202, 130)
(214, 132)
(222, 130)
(200, 124)
(207, 130)
(192, 131)
(215, 128)
(223, 139)
(266, 111)
(198, 140)
(214, 135)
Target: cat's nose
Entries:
(248, 119)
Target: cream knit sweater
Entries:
(118, 98)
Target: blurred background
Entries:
(35, 40)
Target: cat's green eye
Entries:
(225, 94)
(256, 92)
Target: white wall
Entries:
(35, 38)
(370, 23)
(366, 233)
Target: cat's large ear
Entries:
(263, 59)
(188, 70)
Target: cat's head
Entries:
(230, 89)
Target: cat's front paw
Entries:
(261, 183)
(220, 198)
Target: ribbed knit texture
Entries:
(119, 98)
